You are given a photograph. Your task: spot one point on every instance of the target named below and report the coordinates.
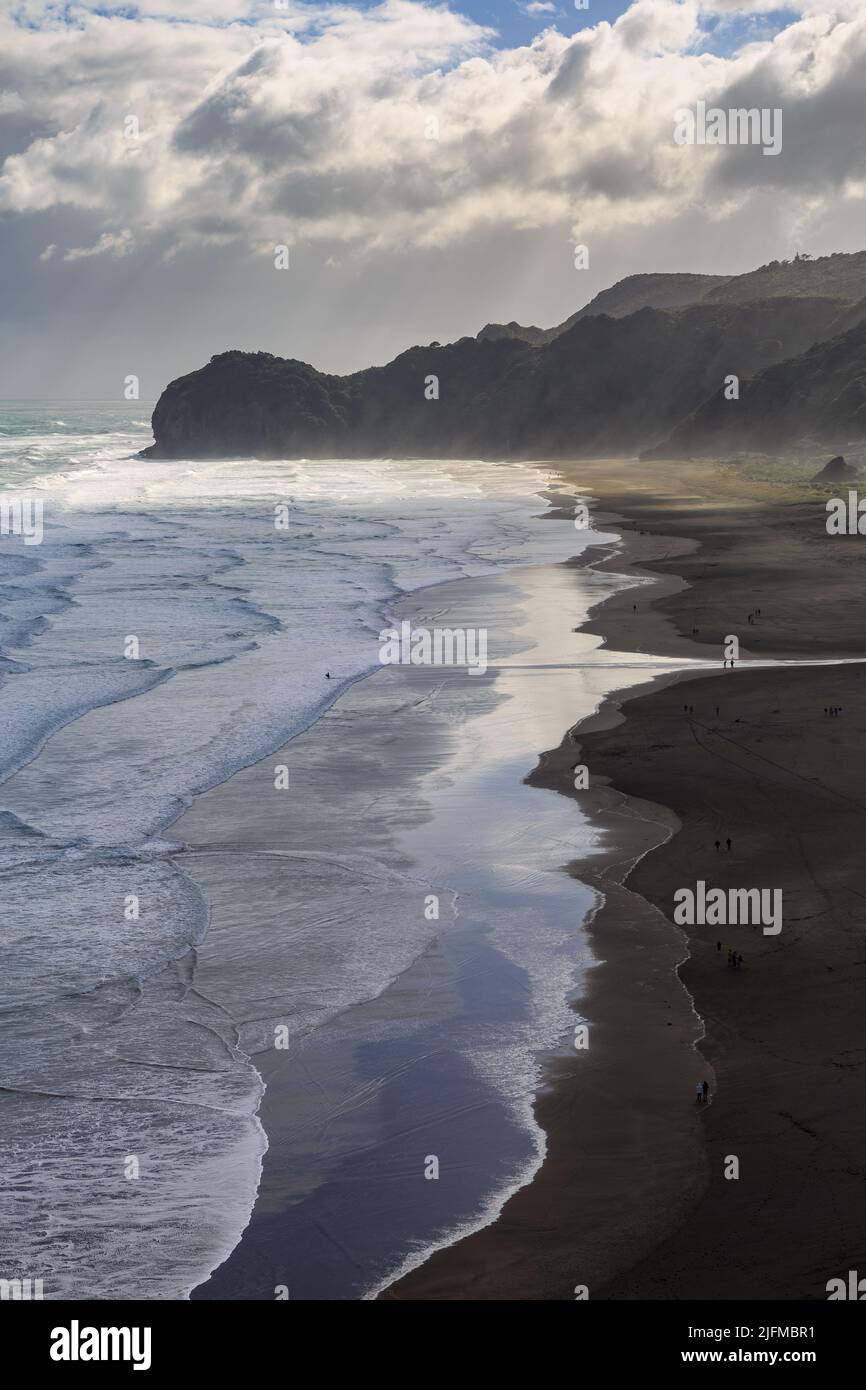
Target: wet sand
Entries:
(413, 783)
(632, 1201)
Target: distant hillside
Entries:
(625, 297)
(605, 384)
(840, 276)
(816, 397)
(647, 379)
(836, 277)
(526, 333)
(853, 315)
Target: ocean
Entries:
(223, 822)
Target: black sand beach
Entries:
(632, 1201)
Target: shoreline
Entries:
(761, 744)
(631, 997)
(325, 1079)
(627, 1164)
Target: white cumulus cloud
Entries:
(405, 130)
(284, 128)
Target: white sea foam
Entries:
(236, 624)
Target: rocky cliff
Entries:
(604, 385)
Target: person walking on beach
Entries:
(718, 845)
(718, 945)
(699, 1093)
(705, 1088)
(728, 843)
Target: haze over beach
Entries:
(432, 440)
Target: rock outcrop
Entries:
(603, 386)
(837, 471)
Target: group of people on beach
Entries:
(833, 710)
(734, 958)
(702, 1092)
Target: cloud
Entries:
(157, 147)
(109, 244)
(314, 123)
(739, 7)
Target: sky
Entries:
(428, 168)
